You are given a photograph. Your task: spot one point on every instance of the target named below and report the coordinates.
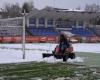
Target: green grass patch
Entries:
(90, 59)
(33, 69)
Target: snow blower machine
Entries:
(68, 53)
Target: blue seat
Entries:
(96, 30)
(43, 31)
(81, 32)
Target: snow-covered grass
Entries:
(12, 53)
(87, 47)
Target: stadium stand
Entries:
(48, 23)
(95, 30)
(82, 32)
(42, 31)
(10, 31)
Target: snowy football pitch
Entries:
(86, 53)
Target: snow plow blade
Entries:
(47, 55)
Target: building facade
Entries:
(54, 17)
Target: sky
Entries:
(66, 4)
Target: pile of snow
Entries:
(77, 59)
(54, 60)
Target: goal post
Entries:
(23, 38)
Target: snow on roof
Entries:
(76, 10)
(63, 9)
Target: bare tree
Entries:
(78, 8)
(92, 8)
(27, 6)
(12, 10)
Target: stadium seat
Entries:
(42, 31)
(82, 32)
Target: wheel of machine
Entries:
(64, 57)
(71, 55)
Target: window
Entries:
(50, 22)
(32, 21)
(41, 26)
(42, 21)
(80, 23)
